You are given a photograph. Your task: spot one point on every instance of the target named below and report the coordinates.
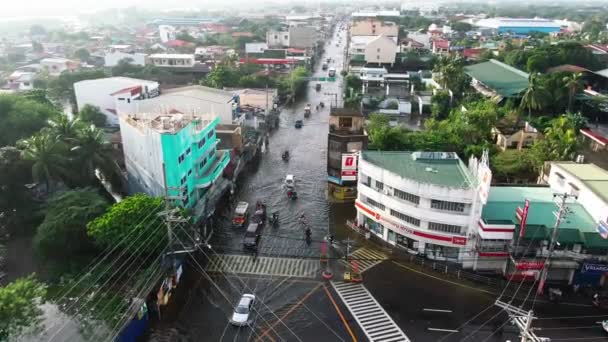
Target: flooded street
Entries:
(286, 268)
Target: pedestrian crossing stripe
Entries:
(271, 266)
(377, 325)
(367, 258)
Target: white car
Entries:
(241, 313)
(290, 181)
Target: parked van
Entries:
(252, 236)
(331, 72)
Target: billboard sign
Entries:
(349, 167)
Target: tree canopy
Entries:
(20, 117)
(134, 218)
(93, 115)
(63, 234)
(20, 306)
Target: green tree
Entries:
(82, 54)
(93, 115)
(441, 105)
(63, 234)
(48, 157)
(185, 36)
(16, 203)
(125, 66)
(64, 129)
(20, 117)
(20, 306)
(538, 62)
(513, 166)
(62, 88)
(222, 75)
(93, 152)
(559, 141)
(353, 82)
(535, 96)
(294, 84)
(462, 27)
(574, 84)
(136, 217)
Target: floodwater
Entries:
(213, 297)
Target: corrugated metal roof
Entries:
(502, 78)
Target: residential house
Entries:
(277, 39)
(56, 66)
(170, 60)
(112, 57)
(595, 146)
(191, 100)
(381, 50)
(20, 80)
(440, 46)
(255, 47)
(175, 155)
(110, 93)
(411, 45)
(518, 134)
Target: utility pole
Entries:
(521, 318)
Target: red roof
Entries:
(242, 34)
(294, 50)
(595, 136)
(131, 90)
(178, 43)
(268, 61)
(472, 52)
(568, 68)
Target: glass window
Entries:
(373, 203)
(210, 134)
(188, 150)
(379, 185)
(449, 206)
(189, 172)
(345, 122)
(406, 218)
(446, 228)
(391, 236)
(406, 196)
(201, 143)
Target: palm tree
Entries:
(534, 97)
(94, 152)
(574, 84)
(47, 153)
(64, 128)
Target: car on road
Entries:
(299, 124)
(331, 72)
(252, 236)
(324, 66)
(242, 311)
(290, 181)
(240, 214)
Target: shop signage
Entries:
(530, 265)
(595, 268)
(457, 240)
(349, 167)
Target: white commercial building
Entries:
(108, 94)
(588, 182)
(277, 38)
(56, 66)
(190, 100)
(425, 202)
(166, 33)
(173, 60)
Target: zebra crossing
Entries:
(377, 325)
(366, 258)
(271, 266)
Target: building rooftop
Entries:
(172, 55)
(500, 77)
(190, 100)
(344, 112)
(516, 22)
(578, 227)
(120, 82)
(424, 167)
(593, 176)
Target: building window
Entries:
(406, 242)
(201, 143)
(183, 180)
(188, 150)
(345, 122)
(365, 179)
(203, 163)
(374, 203)
(436, 251)
(391, 236)
(189, 172)
(446, 228)
(379, 185)
(448, 206)
(181, 158)
(403, 217)
(378, 57)
(378, 49)
(210, 134)
(560, 179)
(406, 196)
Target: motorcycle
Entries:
(274, 220)
(322, 104)
(308, 234)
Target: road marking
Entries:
(437, 310)
(331, 298)
(293, 307)
(444, 330)
(376, 323)
(280, 267)
(366, 258)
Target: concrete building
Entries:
(373, 27)
(166, 33)
(514, 135)
(109, 94)
(20, 80)
(381, 50)
(56, 66)
(190, 100)
(345, 139)
(302, 37)
(173, 155)
(112, 58)
(277, 39)
(255, 47)
(172, 60)
(522, 26)
(425, 202)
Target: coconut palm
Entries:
(64, 128)
(574, 84)
(93, 151)
(48, 155)
(534, 97)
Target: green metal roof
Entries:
(577, 227)
(500, 77)
(443, 172)
(593, 176)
